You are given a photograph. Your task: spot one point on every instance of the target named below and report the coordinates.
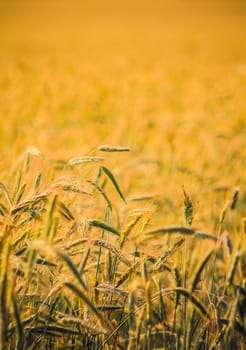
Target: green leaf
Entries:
(114, 182)
(103, 225)
(72, 267)
(86, 300)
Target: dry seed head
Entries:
(92, 327)
(188, 209)
(113, 249)
(140, 212)
(125, 233)
(33, 151)
(128, 274)
(163, 258)
(223, 212)
(81, 160)
(37, 182)
(178, 277)
(178, 282)
(108, 288)
(233, 268)
(228, 243)
(144, 225)
(68, 186)
(244, 226)
(234, 199)
(107, 148)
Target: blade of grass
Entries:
(104, 322)
(114, 182)
(103, 225)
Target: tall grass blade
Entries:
(72, 267)
(84, 261)
(103, 226)
(197, 273)
(196, 302)
(102, 192)
(19, 327)
(114, 182)
(89, 304)
(171, 229)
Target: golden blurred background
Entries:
(165, 78)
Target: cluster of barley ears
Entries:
(76, 273)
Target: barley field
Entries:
(122, 175)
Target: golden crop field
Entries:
(122, 174)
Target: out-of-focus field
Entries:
(165, 78)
